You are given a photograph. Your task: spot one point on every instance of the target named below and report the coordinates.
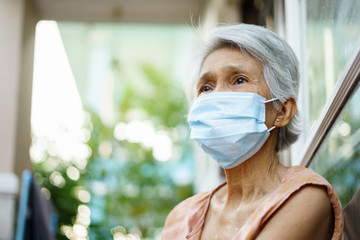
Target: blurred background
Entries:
(93, 104)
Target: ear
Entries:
(286, 113)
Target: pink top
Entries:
(186, 220)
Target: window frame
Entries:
(295, 35)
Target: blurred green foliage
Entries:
(128, 186)
(64, 197)
(338, 159)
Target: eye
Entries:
(240, 80)
(205, 89)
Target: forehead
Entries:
(226, 57)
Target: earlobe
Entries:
(286, 113)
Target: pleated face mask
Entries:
(229, 126)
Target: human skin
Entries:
(308, 213)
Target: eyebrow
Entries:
(231, 68)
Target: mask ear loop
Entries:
(269, 130)
(271, 100)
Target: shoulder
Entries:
(310, 208)
(301, 175)
(197, 203)
(185, 216)
(307, 214)
(188, 204)
(311, 202)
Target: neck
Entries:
(254, 178)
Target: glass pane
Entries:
(338, 159)
(332, 32)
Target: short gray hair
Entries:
(280, 66)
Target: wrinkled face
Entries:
(229, 70)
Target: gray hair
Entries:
(280, 66)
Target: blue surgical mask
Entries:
(229, 126)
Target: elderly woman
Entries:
(243, 114)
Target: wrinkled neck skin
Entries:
(256, 177)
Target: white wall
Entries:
(11, 26)
(23, 127)
(17, 32)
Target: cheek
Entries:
(246, 87)
(270, 114)
(264, 91)
(263, 88)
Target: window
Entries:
(332, 75)
(338, 158)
